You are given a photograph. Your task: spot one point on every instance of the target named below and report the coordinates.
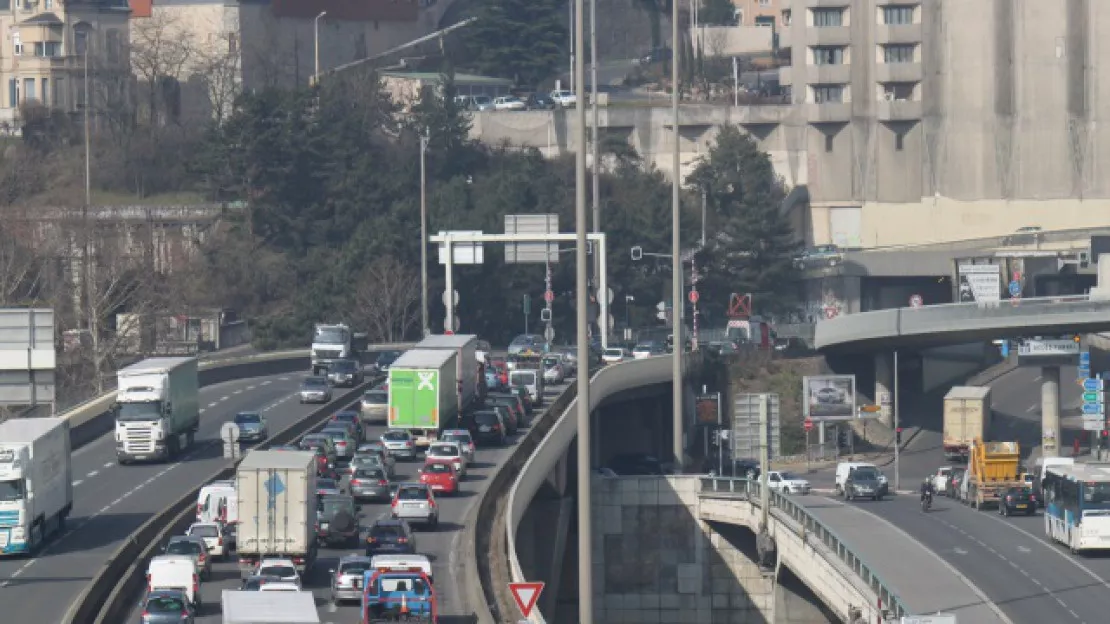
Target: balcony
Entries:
(784, 38)
(41, 63)
(786, 76)
(898, 110)
(897, 33)
(817, 4)
(829, 36)
(828, 112)
(898, 72)
(829, 74)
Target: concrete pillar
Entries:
(884, 387)
(1050, 411)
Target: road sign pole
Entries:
(449, 319)
(897, 427)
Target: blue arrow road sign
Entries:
(1015, 288)
(1092, 408)
(1085, 358)
(1092, 385)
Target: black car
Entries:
(345, 373)
(487, 427)
(511, 405)
(338, 521)
(1017, 500)
(864, 482)
(390, 537)
(539, 101)
(635, 465)
(386, 359)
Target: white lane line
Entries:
(1052, 548)
(283, 379)
(1032, 408)
(268, 382)
(203, 409)
(211, 405)
(92, 473)
(78, 482)
(249, 388)
(109, 464)
(238, 392)
(223, 398)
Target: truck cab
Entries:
(331, 343)
(157, 410)
(392, 595)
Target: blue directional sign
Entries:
(1085, 358)
(1015, 288)
(1092, 408)
(1092, 385)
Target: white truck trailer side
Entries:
(157, 409)
(36, 482)
(277, 508)
(252, 607)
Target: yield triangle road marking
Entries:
(526, 595)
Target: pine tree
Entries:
(717, 13)
(753, 246)
(523, 40)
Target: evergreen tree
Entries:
(522, 40)
(753, 246)
(717, 13)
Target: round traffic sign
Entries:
(916, 301)
(548, 296)
(448, 330)
(1015, 288)
(549, 333)
(446, 300)
(808, 424)
(694, 296)
(831, 312)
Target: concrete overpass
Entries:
(840, 578)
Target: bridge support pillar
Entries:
(884, 384)
(1050, 411)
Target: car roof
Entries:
(354, 559)
(390, 522)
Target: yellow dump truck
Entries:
(992, 469)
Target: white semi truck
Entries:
(157, 409)
(277, 508)
(331, 343)
(36, 482)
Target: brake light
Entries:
(371, 540)
(203, 557)
(196, 584)
(431, 504)
(356, 482)
(497, 427)
(1009, 499)
(383, 482)
(219, 541)
(402, 540)
(146, 613)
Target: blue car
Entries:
(493, 380)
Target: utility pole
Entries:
(316, 47)
(595, 139)
(424, 324)
(897, 429)
(764, 458)
(676, 251)
(88, 131)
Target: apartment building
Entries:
(766, 13)
(46, 46)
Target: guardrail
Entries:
(90, 420)
(108, 598)
(743, 489)
(546, 454)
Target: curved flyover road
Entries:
(439, 545)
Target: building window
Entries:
(13, 93)
(59, 94)
(48, 48)
(898, 141)
(898, 90)
(80, 41)
(5, 5)
(898, 53)
(823, 18)
(786, 16)
(46, 91)
(28, 89)
(17, 47)
(823, 94)
(894, 15)
(828, 55)
(47, 5)
(111, 40)
(764, 3)
(828, 142)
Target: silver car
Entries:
(346, 578)
(369, 484)
(167, 606)
(315, 390)
(375, 406)
(194, 547)
(252, 427)
(370, 460)
(414, 503)
(400, 444)
(344, 443)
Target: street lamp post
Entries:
(676, 251)
(628, 299)
(88, 131)
(424, 326)
(316, 46)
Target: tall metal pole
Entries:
(764, 458)
(594, 140)
(581, 284)
(424, 236)
(88, 131)
(703, 211)
(676, 253)
(316, 46)
(570, 32)
(897, 427)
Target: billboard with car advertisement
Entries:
(829, 397)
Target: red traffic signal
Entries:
(899, 430)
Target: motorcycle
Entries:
(926, 502)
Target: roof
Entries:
(244, 607)
(26, 430)
(968, 392)
(456, 341)
(460, 79)
(281, 460)
(422, 358)
(155, 365)
(1081, 472)
(42, 18)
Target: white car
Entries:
(283, 569)
(940, 479)
(213, 535)
(449, 451)
(564, 98)
(280, 586)
(642, 351)
(553, 374)
(508, 102)
(614, 355)
(787, 483)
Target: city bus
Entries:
(1077, 505)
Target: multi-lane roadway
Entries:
(440, 544)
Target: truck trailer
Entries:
(967, 417)
(277, 508)
(252, 607)
(157, 409)
(36, 482)
(468, 365)
(992, 471)
(424, 393)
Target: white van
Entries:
(218, 502)
(531, 380)
(843, 468)
(402, 563)
(174, 572)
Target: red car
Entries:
(440, 476)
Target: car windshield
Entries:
(486, 418)
(865, 473)
(279, 570)
(550, 361)
(614, 352)
(789, 476)
(348, 417)
(312, 443)
(353, 568)
(387, 531)
(315, 382)
(387, 358)
(164, 604)
(375, 397)
(369, 473)
(444, 450)
(643, 347)
(457, 437)
(325, 484)
(396, 436)
(205, 530)
(330, 335)
(335, 434)
(344, 366)
(523, 341)
(437, 468)
(333, 505)
(183, 547)
(522, 379)
(412, 493)
(248, 419)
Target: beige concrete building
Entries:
(765, 13)
(42, 57)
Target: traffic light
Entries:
(898, 436)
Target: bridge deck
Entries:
(921, 579)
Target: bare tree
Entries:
(387, 300)
(23, 263)
(162, 50)
(221, 72)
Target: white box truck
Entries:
(36, 482)
(277, 508)
(252, 607)
(967, 417)
(468, 369)
(157, 409)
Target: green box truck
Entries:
(424, 393)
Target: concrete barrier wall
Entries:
(109, 597)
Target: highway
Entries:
(112, 501)
(438, 545)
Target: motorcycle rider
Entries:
(927, 489)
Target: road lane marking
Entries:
(92, 473)
(78, 482)
(210, 405)
(238, 392)
(109, 464)
(1032, 408)
(1051, 546)
(268, 382)
(223, 398)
